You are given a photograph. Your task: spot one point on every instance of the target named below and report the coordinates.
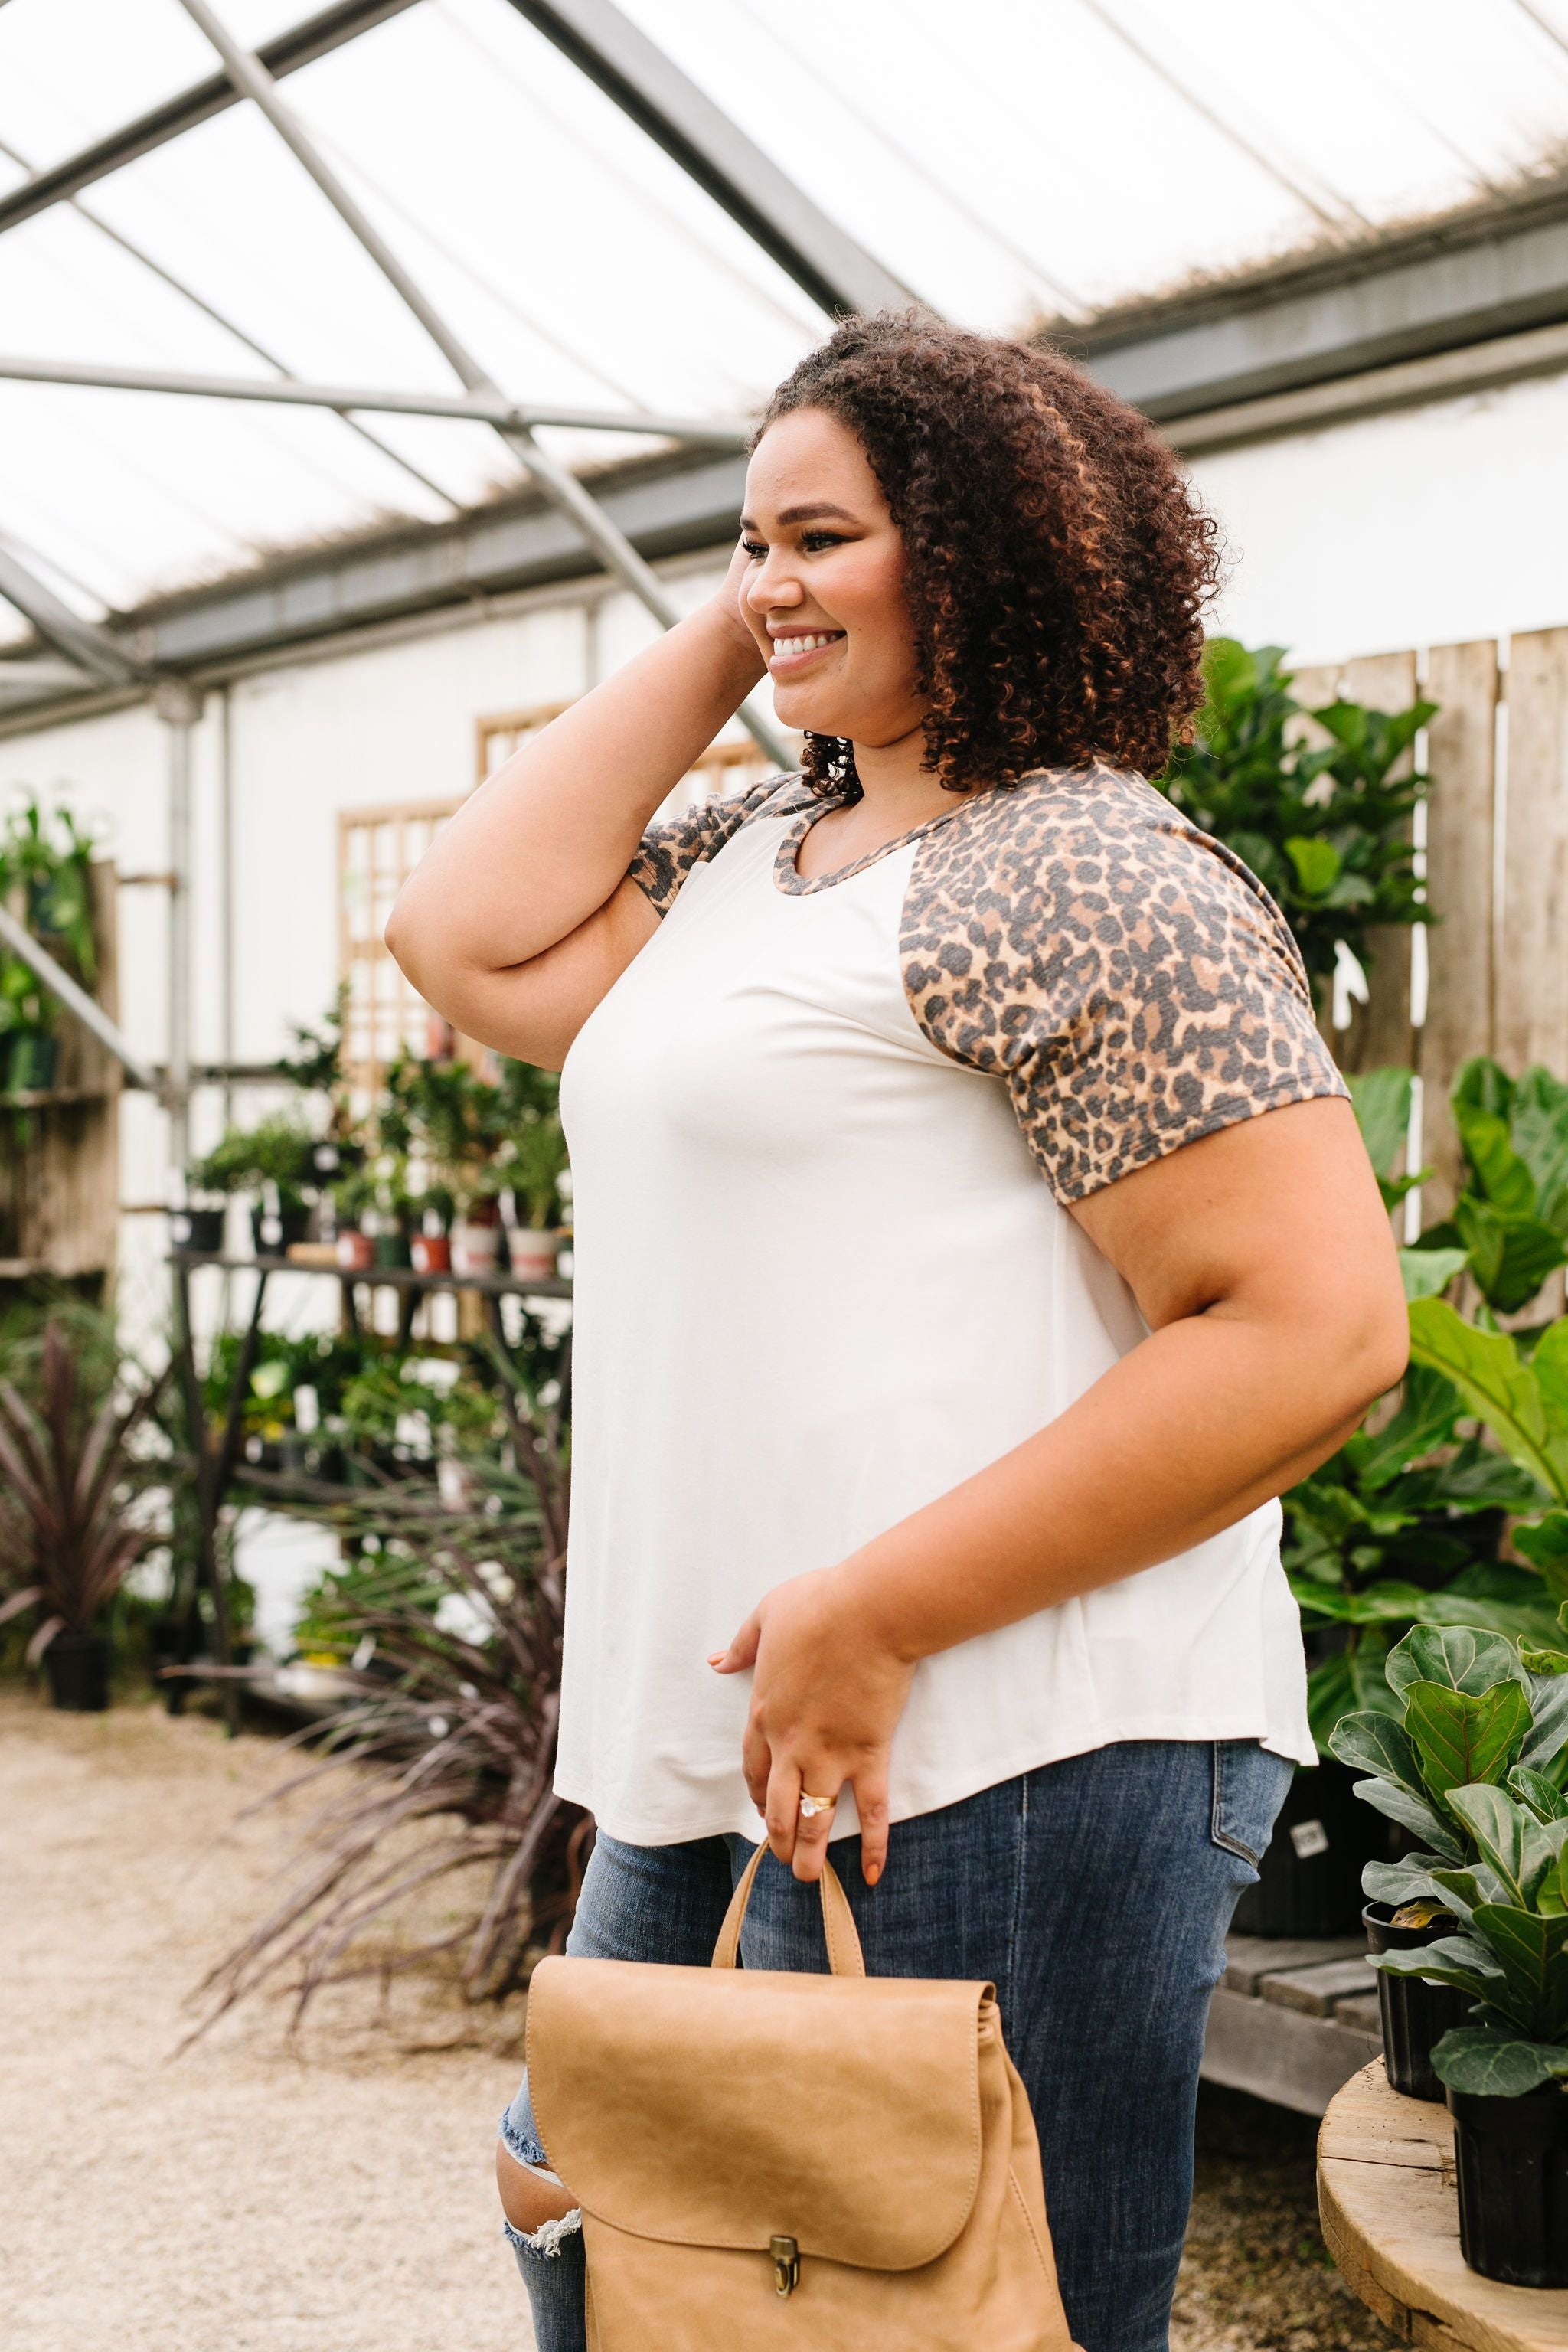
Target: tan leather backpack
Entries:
(773, 2159)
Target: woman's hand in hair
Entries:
(826, 1695)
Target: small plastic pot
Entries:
(199, 1230)
(1416, 2015)
(1512, 2161)
(272, 1236)
(533, 1251)
(431, 1252)
(391, 1250)
(476, 1249)
(78, 1667)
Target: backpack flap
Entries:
(710, 2108)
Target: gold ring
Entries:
(811, 1806)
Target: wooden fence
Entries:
(1490, 976)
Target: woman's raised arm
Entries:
(518, 919)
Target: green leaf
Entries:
(1539, 1123)
(1499, 1826)
(1457, 1961)
(1381, 1100)
(1330, 1695)
(1428, 1272)
(1412, 1814)
(1511, 1257)
(1463, 1738)
(1501, 1176)
(1545, 1663)
(1464, 1890)
(1316, 863)
(1483, 1085)
(1395, 1883)
(1377, 1744)
(1533, 1955)
(1544, 1543)
(1533, 1790)
(1548, 1734)
(1549, 1363)
(1428, 1408)
(1460, 1657)
(1484, 1368)
(1491, 2064)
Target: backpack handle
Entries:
(845, 1958)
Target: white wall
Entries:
(1427, 527)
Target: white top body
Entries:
(820, 1279)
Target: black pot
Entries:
(1309, 1882)
(201, 1230)
(1416, 2015)
(1512, 2158)
(271, 1236)
(78, 1667)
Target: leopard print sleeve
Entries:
(1129, 977)
(669, 849)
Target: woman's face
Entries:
(824, 594)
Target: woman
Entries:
(950, 1313)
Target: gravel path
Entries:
(333, 2195)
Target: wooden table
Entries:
(1391, 2218)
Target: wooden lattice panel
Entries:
(378, 848)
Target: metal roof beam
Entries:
(84, 645)
(473, 407)
(560, 485)
(317, 36)
(824, 260)
(1453, 287)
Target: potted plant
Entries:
(533, 1172)
(396, 1208)
(1507, 2075)
(1471, 1711)
(353, 1198)
(65, 1466)
(282, 1166)
(477, 1233)
(431, 1244)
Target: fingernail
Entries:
(873, 1874)
(716, 1657)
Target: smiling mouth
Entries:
(792, 652)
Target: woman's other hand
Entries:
(826, 1696)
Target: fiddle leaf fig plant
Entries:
(1473, 1717)
(1511, 1953)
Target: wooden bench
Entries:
(1291, 2021)
(1391, 2219)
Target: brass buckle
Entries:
(786, 2265)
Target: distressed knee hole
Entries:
(539, 2213)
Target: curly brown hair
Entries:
(1057, 563)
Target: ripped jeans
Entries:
(1094, 1894)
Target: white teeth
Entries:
(802, 645)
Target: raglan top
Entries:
(825, 1133)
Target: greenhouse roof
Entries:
(635, 218)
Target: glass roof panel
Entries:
(1006, 162)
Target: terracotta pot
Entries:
(432, 1253)
(356, 1253)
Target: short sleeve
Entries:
(669, 849)
(1129, 977)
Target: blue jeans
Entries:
(1094, 1894)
